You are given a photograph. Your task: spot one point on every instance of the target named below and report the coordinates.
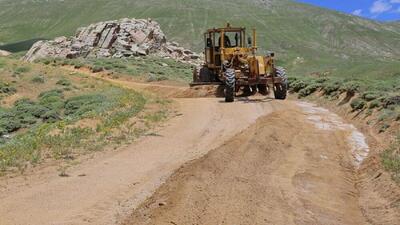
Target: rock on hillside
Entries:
(117, 39)
(4, 53)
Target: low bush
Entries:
(54, 101)
(85, 104)
(350, 87)
(331, 88)
(309, 89)
(23, 114)
(387, 114)
(357, 104)
(97, 69)
(369, 96)
(297, 85)
(321, 80)
(391, 159)
(6, 88)
(391, 101)
(28, 107)
(22, 69)
(64, 82)
(374, 104)
(39, 79)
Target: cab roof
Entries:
(228, 28)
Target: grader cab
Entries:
(231, 60)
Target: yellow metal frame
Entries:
(259, 65)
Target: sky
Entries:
(382, 10)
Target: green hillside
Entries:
(306, 38)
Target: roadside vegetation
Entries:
(379, 97)
(148, 68)
(47, 113)
(391, 159)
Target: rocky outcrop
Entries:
(115, 39)
(4, 53)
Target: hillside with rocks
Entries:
(323, 41)
(113, 39)
(283, 25)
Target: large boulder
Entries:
(4, 53)
(118, 39)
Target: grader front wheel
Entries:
(230, 82)
(280, 90)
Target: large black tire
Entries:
(280, 90)
(230, 82)
(203, 74)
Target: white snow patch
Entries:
(323, 119)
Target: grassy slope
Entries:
(325, 39)
(146, 69)
(47, 112)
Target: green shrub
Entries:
(26, 106)
(53, 100)
(54, 92)
(22, 69)
(46, 61)
(331, 88)
(51, 116)
(391, 159)
(84, 104)
(38, 79)
(97, 69)
(8, 122)
(357, 104)
(374, 104)
(321, 80)
(108, 67)
(119, 65)
(350, 87)
(369, 96)
(391, 101)
(78, 65)
(25, 113)
(64, 82)
(386, 114)
(297, 85)
(309, 90)
(6, 88)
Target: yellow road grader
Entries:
(232, 62)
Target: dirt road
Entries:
(283, 170)
(116, 182)
(280, 171)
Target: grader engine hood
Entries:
(260, 65)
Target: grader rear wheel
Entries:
(230, 82)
